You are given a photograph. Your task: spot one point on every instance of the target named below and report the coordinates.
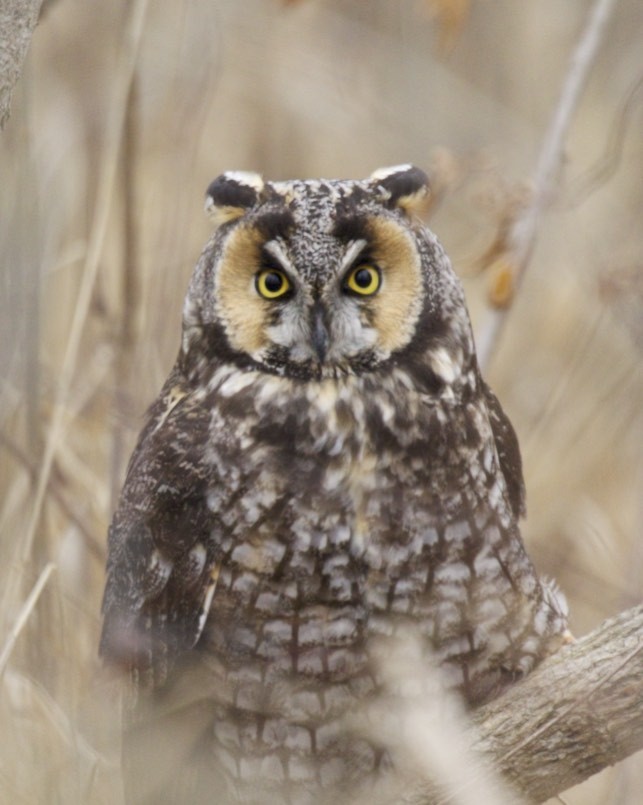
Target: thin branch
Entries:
(98, 233)
(95, 546)
(24, 613)
(605, 167)
(522, 237)
(130, 288)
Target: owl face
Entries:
(313, 279)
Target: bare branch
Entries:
(94, 546)
(24, 613)
(522, 238)
(18, 19)
(96, 241)
(579, 712)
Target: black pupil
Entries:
(363, 278)
(273, 282)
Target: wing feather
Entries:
(508, 451)
(161, 571)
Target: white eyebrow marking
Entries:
(277, 251)
(247, 178)
(352, 252)
(382, 173)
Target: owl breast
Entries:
(350, 515)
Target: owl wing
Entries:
(161, 572)
(508, 451)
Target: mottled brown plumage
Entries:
(324, 468)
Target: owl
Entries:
(323, 468)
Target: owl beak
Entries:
(319, 332)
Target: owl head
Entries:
(322, 278)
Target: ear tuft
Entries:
(232, 194)
(404, 186)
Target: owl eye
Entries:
(272, 283)
(364, 280)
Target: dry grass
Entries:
(124, 114)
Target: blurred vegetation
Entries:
(125, 112)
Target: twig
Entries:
(130, 286)
(94, 546)
(607, 164)
(524, 231)
(98, 232)
(24, 613)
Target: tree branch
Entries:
(522, 237)
(580, 711)
(17, 22)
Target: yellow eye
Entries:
(272, 283)
(364, 280)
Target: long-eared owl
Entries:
(323, 467)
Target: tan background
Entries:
(101, 221)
